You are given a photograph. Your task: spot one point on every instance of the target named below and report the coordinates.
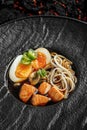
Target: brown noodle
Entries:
(62, 75)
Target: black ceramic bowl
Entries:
(62, 35)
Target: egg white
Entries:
(46, 53)
(13, 68)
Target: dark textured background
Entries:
(71, 39)
(10, 9)
(65, 36)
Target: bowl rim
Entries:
(42, 16)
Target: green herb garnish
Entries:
(42, 72)
(32, 54)
(28, 57)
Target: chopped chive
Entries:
(28, 56)
(42, 72)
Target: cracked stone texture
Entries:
(67, 37)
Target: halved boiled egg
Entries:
(12, 70)
(46, 53)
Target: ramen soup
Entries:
(40, 77)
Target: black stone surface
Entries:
(67, 37)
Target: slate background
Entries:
(70, 114)
(65, 36)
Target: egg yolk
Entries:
(23, 71)
(40, 62)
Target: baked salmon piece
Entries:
(44, 88)
(39, 100)
(26, 92)
(55, 94)
(23, 71)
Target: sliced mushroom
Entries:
(34, 78)
(17, 84)
(48, 66)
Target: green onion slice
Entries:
(28, 57)
(42, 72)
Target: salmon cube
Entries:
(39, 100)
(44, 88)
(55, 94)
(26, 92)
